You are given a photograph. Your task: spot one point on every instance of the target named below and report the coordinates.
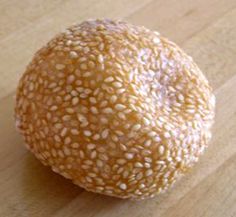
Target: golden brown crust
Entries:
(116, 108)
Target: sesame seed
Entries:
(64, 131)
(139, 176)
(125, 174)
(66, 151)
(147, 143)
(61, 154)
(75, 145)
(83, 95)
(138, 165)
(120, 107)
(166, 134)
(101, 47)
(75, 101)
(92, 100)
(82, 59)
(96, 137)
(70, 110)
(68, 43)
(99, 188)
(167, 127)
(81, 153)
(87, 74)
(99, 163)
(87, 133)
(146, 121)
(94, 110)
(104, 120)
(31, 86)
(103, 103)
(91, 146)
(57, 138)
(180, 97)
(100, 58)
(190, 111)
(81, 118)
(178, 159)
(136, 127)
(156, 40)
(123, 186)
(121, 115)
(60, 66)
(109, 79)
(123, 147)
(160, 162)
(120, 91)
(121, 161)
(53, 108)
(84, 33)
(129, 155)
(83, 66)
(70, 79)
(156, 139)
(74, 132)
(58, 126)
(113, 98)
(114, 138)
(93, 154)
(67, 97)
(103, 157)
(107, 110)
(73, 54)
(152, 133)
(52, 85)
(149, 172)
(117, 84)
(118, 132)
(88, 162)
(91, 64)
(86, 49)
(105, 133)
(67, 140)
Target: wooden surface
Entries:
(206, 29)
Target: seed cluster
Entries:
(116, 108)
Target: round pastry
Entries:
(116, 108)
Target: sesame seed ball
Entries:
(116, 108)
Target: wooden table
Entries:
(206, 29)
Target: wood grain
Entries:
(205, 29)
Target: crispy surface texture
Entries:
(116, 108)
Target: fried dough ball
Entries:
(116, 108)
